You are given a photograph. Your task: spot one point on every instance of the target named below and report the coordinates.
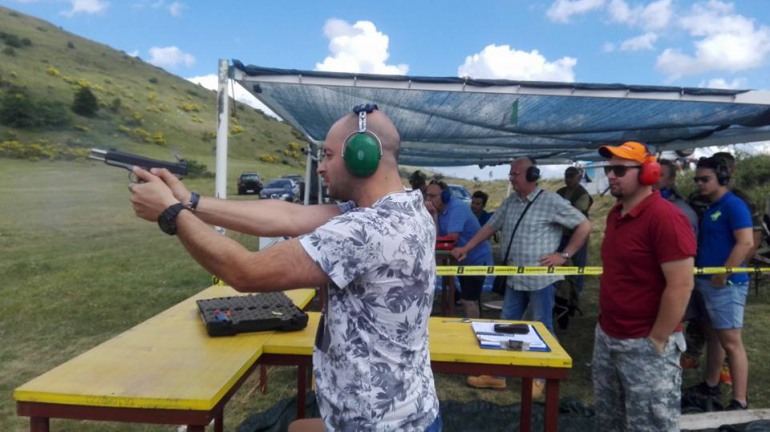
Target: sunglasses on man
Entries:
(619, 170)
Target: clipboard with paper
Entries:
(491, 339)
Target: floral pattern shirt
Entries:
(371, 359)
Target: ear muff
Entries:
(362, 150)
(533, 174)
(649, 173)
(722, 172)
(446, 195)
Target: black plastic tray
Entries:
(227, 316)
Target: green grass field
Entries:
(77, 268)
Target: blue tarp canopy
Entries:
(456, 121)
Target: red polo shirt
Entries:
(634, 247)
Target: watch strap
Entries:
(194, 200)
(167, 219)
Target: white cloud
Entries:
(725, 41)
(651, 17)
(503, 62)
(86, 7)
(170, 57)
(211, 82)
(721, 83)
(639, 43)
(563, 10)
(608, 47)
(358, 48)
(176, 8)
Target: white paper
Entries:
(489, 338)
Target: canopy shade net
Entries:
(456, 121)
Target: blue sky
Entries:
(663, 42)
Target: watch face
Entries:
(167, 219)
(166, 224)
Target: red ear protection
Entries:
(649, 174)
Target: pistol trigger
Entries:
(133, 177)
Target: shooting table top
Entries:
(166, 362)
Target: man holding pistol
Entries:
(374, 252)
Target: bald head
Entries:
(346, 182)
(376, 123)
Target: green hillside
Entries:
(141, 108)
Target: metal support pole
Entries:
(223, 114)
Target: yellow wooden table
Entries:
(453, 349)
(166, 370)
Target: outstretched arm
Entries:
(284, 265)
(266, 218)
(481, 235)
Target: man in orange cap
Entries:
(647, 255)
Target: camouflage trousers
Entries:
(635, 387)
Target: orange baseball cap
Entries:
(630, 150)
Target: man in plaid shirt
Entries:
(535, 243)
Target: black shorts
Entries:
(471, 286)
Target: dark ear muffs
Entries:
(649, 173)
(533, 174)
(362, 150)
(722, 171)
(446, 195)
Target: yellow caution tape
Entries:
(564, 270)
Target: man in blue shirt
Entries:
(455, 219)
(724, 239)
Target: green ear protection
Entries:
(362, 150)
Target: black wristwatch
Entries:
(167, 219)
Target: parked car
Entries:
(300, 180)
(296, 177)
(459, 192)
(249, 183)
(281, 188)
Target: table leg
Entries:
(262, 379)
(219, 421)
(443, 301)
(39, 424)
(551, 405)
(525, 421)
(451, 295)
(301, 390)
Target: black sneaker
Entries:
(702, 398)
(736, 406)
(703, 389)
